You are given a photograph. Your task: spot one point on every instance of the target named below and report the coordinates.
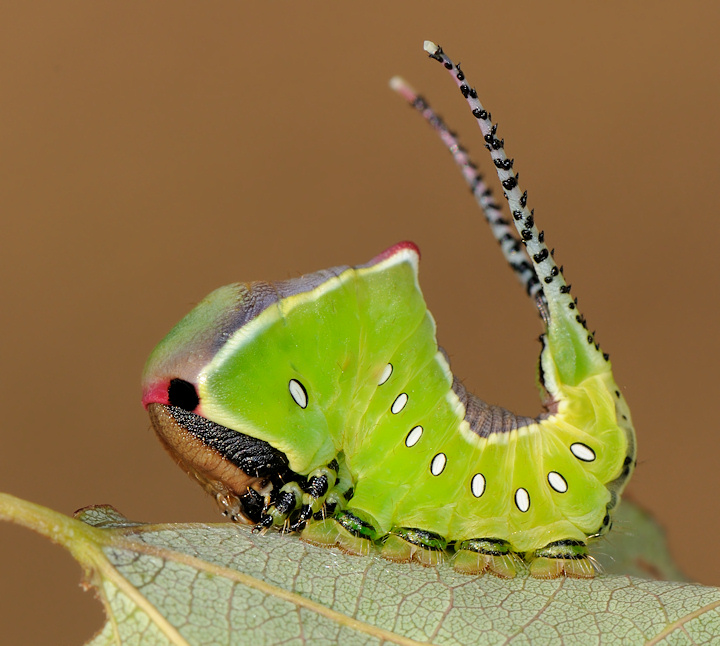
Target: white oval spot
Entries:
(522, 499)
(298, 393)
(582, 452)
(413, 436)
(438, 464)
(386, 374)
(557, 482)
(477, 485)
(399, 403)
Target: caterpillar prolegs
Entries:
(324, 405)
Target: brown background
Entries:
(151, 152)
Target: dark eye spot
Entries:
(183, 395)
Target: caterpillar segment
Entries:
(324, 405)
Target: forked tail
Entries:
(510, 245)
(574, 350)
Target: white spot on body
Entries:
(399, 403)
(298, 393)
(438, 464)
(477, 485)
(557, 482)
(522, 499)
(386, 374)
(582, 452)
(413, 437)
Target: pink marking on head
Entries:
(396, 248)
(155, 393)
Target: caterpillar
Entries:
(324, 405)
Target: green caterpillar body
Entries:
(324, 404)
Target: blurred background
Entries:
(152, 152)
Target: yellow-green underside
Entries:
(336, 340)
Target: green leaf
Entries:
(221, 584)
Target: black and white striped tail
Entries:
(511, 246)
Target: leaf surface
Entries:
(221, 584)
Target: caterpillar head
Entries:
(245, 392)
(238, 470)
